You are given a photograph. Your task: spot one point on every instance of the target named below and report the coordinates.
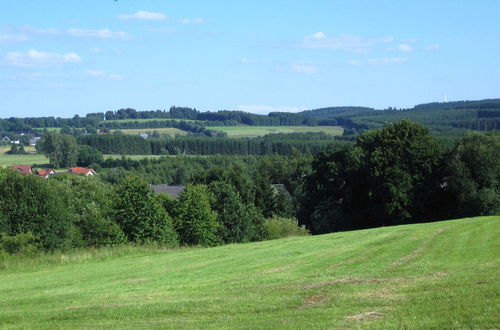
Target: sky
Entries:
(60, 58)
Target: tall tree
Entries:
(61, 149)
(194, 220)
(141, 216)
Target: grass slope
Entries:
(252, 131)
(435, 275)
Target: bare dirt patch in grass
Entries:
(314, 300)
(366, 316)
(137, 280)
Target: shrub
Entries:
(283, 227)
(25, 244)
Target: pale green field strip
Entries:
(37, 159)
(253, 131)
(144, 120)
(172, 131)
(438, 275)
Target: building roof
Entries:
(81, 170)
(24, 169)
(45, 173)
(173, 191)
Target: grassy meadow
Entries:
(39, 160)
(435, 275)
(253, 131)
(172, 131)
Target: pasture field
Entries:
(253, 131)
(172, 131)
(30, 158)
(144, 120)
(437, 275)
(39, 160)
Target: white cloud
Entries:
(257, 108)
(304, 68)
(144, 15)
(35, 58)
(192, 21)
(103, 34)
(317, 36)
(346, 42)
(404, 48)
(13, 37)
(103, 75)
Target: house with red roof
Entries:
(24, 169)
(82, 171)
(45, 173)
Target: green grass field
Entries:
(252, 131)
(426, 276)
(144, 120)
(39, 160)
(172, 131)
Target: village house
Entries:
(24, 169)
(45, 173)
(82, 171)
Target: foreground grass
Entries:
(253, 131)
(436, 275)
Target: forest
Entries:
(396, 174)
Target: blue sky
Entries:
(60, 58)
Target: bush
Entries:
(283, 227)
(25, 244)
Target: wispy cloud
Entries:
(304, 68)
(380, 61)
(4, 38)
(192, 21)
(144, 15)
(36, 58)
(103, 75)
(346, 42)
(404, 48)
(103, 34)
(258, 108)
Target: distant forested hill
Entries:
(449, 118)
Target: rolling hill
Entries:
(433, 275)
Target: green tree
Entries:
(141, 216)
(88, 155)
(30, 204)
(61, 149)
(235, 217)
(474, 175)
(194, 220)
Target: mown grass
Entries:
(436, 275)
(253, 131)
(172, 131)
(41, 161)
(144, 120)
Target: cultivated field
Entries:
(172, 131)
(253, 131)
(39, 160)
(428, 276)
(30, 158)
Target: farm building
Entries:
(82, 171)
(24, 169)
(45, 173)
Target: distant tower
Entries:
(446, 98)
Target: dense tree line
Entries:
(69, 211)
(400, 174)
(195, 128)
(281, 144)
